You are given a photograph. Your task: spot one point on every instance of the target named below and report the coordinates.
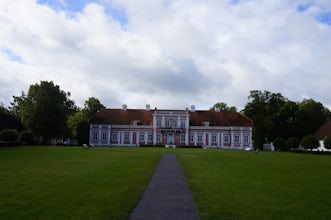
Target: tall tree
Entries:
(3, 109)
(223, 106)
(44, 110)
(92, 106)
(263, 110)
(310, 116)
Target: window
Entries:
(199, 138)
(114, 137)
(104, 136)
(182, 123)
(95, 136)
(236, 139)
(158, 123)
(150, 137)
(126, 136)
(174, 123)
(167, 123)
(226, 138)
(191, 138)
(141, 137)
(158, 137)
(246, 138)
(182, 138)
(213, 138)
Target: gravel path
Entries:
(167, 196)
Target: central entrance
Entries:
(170, 138)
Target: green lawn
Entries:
(72, 183)
(106, 183)
(267, 185)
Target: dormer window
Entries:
(135, 122)
(206, 123)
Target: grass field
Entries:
(106, 183)
(71, 183)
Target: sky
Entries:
(167, 53)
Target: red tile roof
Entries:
(144, 117)
(324, 130)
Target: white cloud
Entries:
(170, 54)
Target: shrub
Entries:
(279, 143)
(291, 143)
(327, 142)
(26, 137)
(309, 142)
(8, 135)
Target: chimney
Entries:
(192, 108)
(124, 107)
(148, 107)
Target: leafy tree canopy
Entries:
(92, 106)
(223, 106)
(44, 110)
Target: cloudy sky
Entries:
(168, 53)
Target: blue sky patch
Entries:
(119, 14)
(303, 8)
(234, 2)
(324, 17)
(12, 55)
(66, 5)
(73, 6)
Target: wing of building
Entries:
(136, 127)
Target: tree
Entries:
(310, 116)
(9, 135)
(279, 143)
(327, 142)
(26, 137)
(291, 143)
(15, 107)
(263, 109)
(3, 109)
(223, 107)
(92, 106)
(309, 142)
(83, 133)
(44, 110)
(74, 121)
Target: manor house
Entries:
(136, 127)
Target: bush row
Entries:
(308, 142)
(12, 137)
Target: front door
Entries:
(170, 139)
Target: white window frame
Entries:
(174, 123)
(104, 136)
(213, 138)
(167, 123)
(191, 138)
(95, 136)
(141, 137)
(158, 137)
(150, 137)
(182, 138)
(114, 136)
(126, 136)
(246, 139)
(199, 138)
(226, 139)
(158, 123)
(237, 139)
